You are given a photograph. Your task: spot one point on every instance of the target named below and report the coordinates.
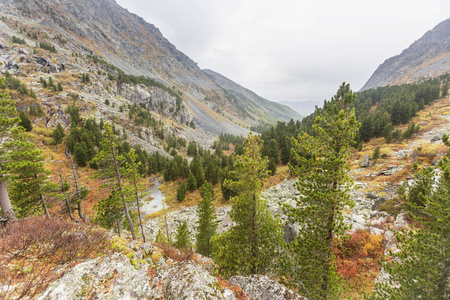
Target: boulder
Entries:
(364, 162)
(259, 287)
(187, 280)
(391, 170)
(110, 277)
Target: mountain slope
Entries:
(429, 56)
(251, 102)
(104, 29)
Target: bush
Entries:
(30, 259)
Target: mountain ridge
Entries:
(428, 56)
(103, 28)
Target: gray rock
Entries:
(110, 277)
(364, 162)
(378, 202)
(371, 196)
(391, 170)
(259, 287)
(187, 280)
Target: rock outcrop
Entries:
(259, 287)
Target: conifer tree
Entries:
(181, 192)
(25, 122)
(111, 166)
(191, 183)
(31, 185)
(182, 237)
(8, 118)
(58, 134)
(197, 171)
(324, 183)
(250, 246)
(207, 223)
(134, 186)
(421, 269)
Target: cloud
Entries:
(287, 49)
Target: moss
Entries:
(130, 255)
(156, 256)
(392, 206)
(134, 263)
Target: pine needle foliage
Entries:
(207, 223)
(112, 169)
(182, 237)
(320, 162)
(31, 186)
(421, 269)
(251, 246)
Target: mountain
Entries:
(429, 56)
(250, 103)
(103, 29)
(304, 108)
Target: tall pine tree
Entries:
(250, 246)
(207, 223)
(324, 183)
(31, 185)
(421, 269)
(8, 118)
(111, 166)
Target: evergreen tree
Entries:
(181, 192)
(8, 118)
(110, 164)
(207, 223)
(272, 167)
(376, 153)
(191, 183)
(25, 122)
(58, 134)
(421, 269)
(31, 185)
(197, 171)
(250, 246)
(182, 237)
(134, 187)
(324, 183)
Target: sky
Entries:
(292, 50)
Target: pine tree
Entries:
(58, 134)
(25, 122)
(31, 185)
(207, 223)
(111, 166)
(197, 171)
(182, 237)
(250, 246)
(324, 183)
(134, 186)
(191, 183)
(8, 118)
(421, 269)
(272, 167)
(181, 192)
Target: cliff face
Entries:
(429, 56)
(102, 28)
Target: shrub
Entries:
(30, 259)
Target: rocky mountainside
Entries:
(105, 30)
(429, 56)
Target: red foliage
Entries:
(32, 249)
(357, 253)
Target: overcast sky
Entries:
(296, 50)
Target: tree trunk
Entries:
(139, 209)
(65, 195)
(7, 210)
(119, 182)
(80, 211)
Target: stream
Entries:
(153, 202)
